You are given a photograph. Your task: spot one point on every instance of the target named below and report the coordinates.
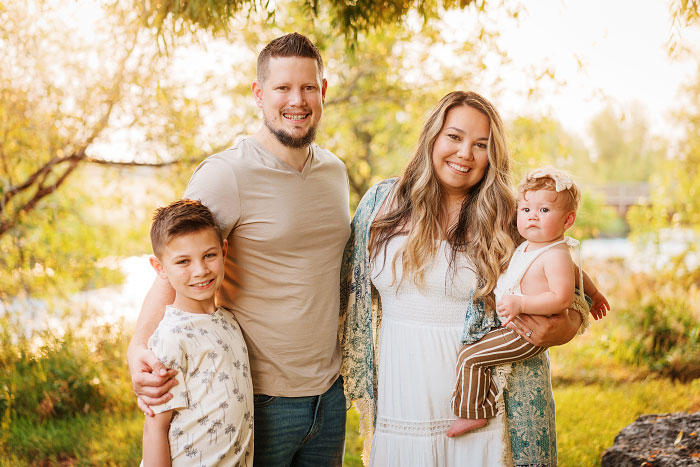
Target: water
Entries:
(110, 305)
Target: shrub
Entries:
(45, 375)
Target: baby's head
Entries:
(547, 202)
(189, 251)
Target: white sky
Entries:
(622, 47)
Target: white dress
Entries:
(419, 341)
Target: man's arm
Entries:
(156, 449)
(150, 379)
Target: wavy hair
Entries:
(485, 230)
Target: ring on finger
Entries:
(528, 334)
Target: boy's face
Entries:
(193, 263)
(543, 216)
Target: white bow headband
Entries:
(561, 181)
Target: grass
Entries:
(590, 415)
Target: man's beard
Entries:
(291, 142)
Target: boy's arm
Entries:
(150, 379)
(559, 272)
(156, 449)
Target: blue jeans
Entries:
(300, 431)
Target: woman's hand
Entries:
(150, 379)
(547, 331)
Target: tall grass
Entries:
(65, 397)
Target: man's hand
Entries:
(600, 305)
(150, 379)
(547, 331)
(510, 306)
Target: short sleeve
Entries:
(213, 183)
(168, 349)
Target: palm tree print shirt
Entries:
(213, 402)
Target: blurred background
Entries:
(106, 108)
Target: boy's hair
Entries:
(547, 178)
(290, 45)
(181, 217)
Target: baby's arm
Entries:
(156, 449)
(600, 305)
(559, 273)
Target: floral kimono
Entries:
(530, 435)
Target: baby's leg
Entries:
(474, 398)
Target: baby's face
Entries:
(543, 216)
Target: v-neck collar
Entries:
(301, 174)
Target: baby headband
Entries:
(561, 181)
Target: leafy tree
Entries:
(624, 150)
(75, 97)
(79, 98)
(675, 189)
(347, 18)
(543, 141)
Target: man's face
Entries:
(291, 98)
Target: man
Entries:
(282, 203)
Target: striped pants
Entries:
(475, 394)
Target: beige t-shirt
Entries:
(286, 231)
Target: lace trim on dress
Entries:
(418, 429)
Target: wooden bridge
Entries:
(621, 195)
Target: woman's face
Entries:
(460, 157)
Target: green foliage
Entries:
(595, 219)
(675, 195)
(652, 330)
(624, 150)
(60, 251)
(350, 19)
(57, 389)
(543, 141)
(77, 98)
(664, 329)
(49, 376)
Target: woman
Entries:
(425, 251)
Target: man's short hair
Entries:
(181, 217)
(290, 45)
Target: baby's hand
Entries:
(509, 307)
(600, 305)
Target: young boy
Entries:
(540, 279)
(209, 420)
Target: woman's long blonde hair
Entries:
(485, 230)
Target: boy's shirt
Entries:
(213, 401)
